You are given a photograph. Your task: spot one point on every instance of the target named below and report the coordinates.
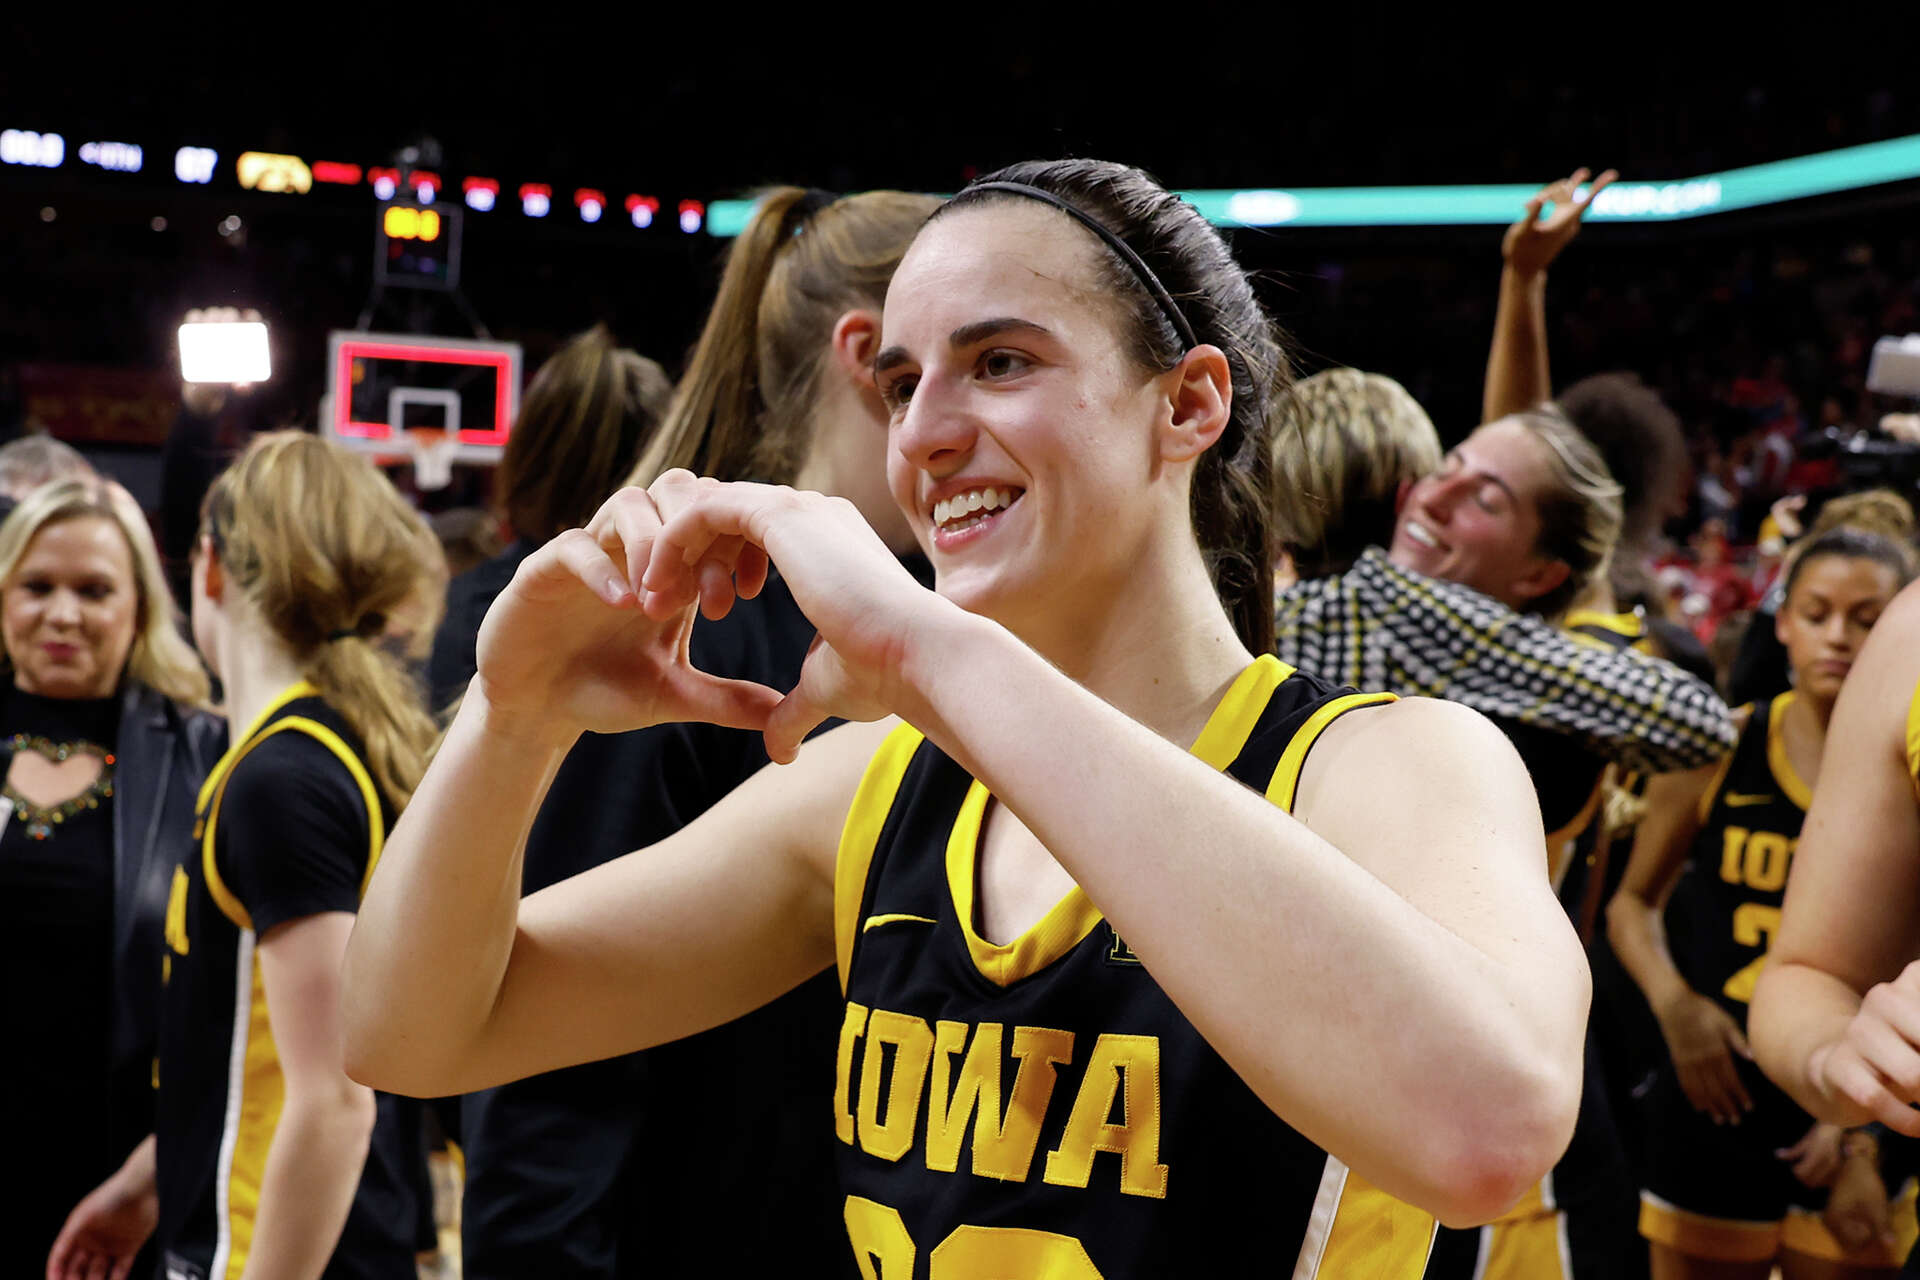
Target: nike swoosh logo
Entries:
(1735, 801)
(874, 922)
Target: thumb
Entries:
(805, 707)
(1797, 1150)
(731, 704)
(1738, 1043)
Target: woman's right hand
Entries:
(567, 647)
(1703, 1039)
(1875, 1066)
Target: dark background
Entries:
(925, 99)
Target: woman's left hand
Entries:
(867, 608)
(1816, 1157)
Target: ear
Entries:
(1199, 401)
(855, 342)
(1780, 624)
(1542, 578)
(213, 577)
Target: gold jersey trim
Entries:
(1783, 773)
(861, 834)
(1284, 787)
(1719, 779)
(1913, 739)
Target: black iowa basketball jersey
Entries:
(1042, 1108)
(1730, 898)
(310, 825)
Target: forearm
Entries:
(307, 1187)
(432, 939)
(1639, 938)
(1517, 373)
(1798, 1015)
(1443, 640)
(1358, 1018)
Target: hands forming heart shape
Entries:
(592, 633)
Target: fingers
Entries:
(625, 528)
(576, 554)
(732, 704)
(1885, 1032)
(1847, 1074)
(1737, 1041)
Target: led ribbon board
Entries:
(1829, 171)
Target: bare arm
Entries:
(320, 1142)
(453, 983)
(1420, 1012)
(1851, 924)
(1701, 1037)
(1518, 376)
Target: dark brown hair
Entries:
(585, 418)
(742, 410)
(1232, 482)
(1639, 439)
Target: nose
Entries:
(63, 609)
(935, 433)
(1439, 493)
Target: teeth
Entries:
(1419, 534)
(962, 505)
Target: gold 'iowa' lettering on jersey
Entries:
(177, 912)
(1756, 859)
(910, 1067)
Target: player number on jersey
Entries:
(885, 1251)
(1754, 925)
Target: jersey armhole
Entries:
(1719, 780)
(1284, 787)
(1913, 740)
(223, 896)
(861, 835)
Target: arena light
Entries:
(336, 172)
(693, 215)
(642, 210)
(386, 182)
(426, 186)
(268, 171)
(536, 198)
(590, 203)
(119, 157)
(480, 194)
(195, 164)
(36, 150)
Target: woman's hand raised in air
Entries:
(867, 608)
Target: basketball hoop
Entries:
(433, 452)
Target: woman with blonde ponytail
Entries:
(262, 1162)
(779, 388)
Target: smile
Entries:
(964, 511)
(1417, 532)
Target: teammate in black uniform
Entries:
(1734, 1166)
(269, 1160)
(1092, 980)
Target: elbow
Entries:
(1491, 1154)
(332, 1104)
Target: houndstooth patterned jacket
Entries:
(1378, 627)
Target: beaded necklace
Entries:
(41, 822)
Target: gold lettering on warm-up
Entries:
(955, 1073)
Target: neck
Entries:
(1157, 644)
(1813, 709)
(255, 668)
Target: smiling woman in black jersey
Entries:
(1042, 894)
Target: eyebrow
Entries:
(965, 336)
(1488, 475)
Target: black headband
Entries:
(1141, 271)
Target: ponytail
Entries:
(327, 551)
(743, 410)
(708, 427)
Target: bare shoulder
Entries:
(1412, 755)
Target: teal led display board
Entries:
(1829, 171)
